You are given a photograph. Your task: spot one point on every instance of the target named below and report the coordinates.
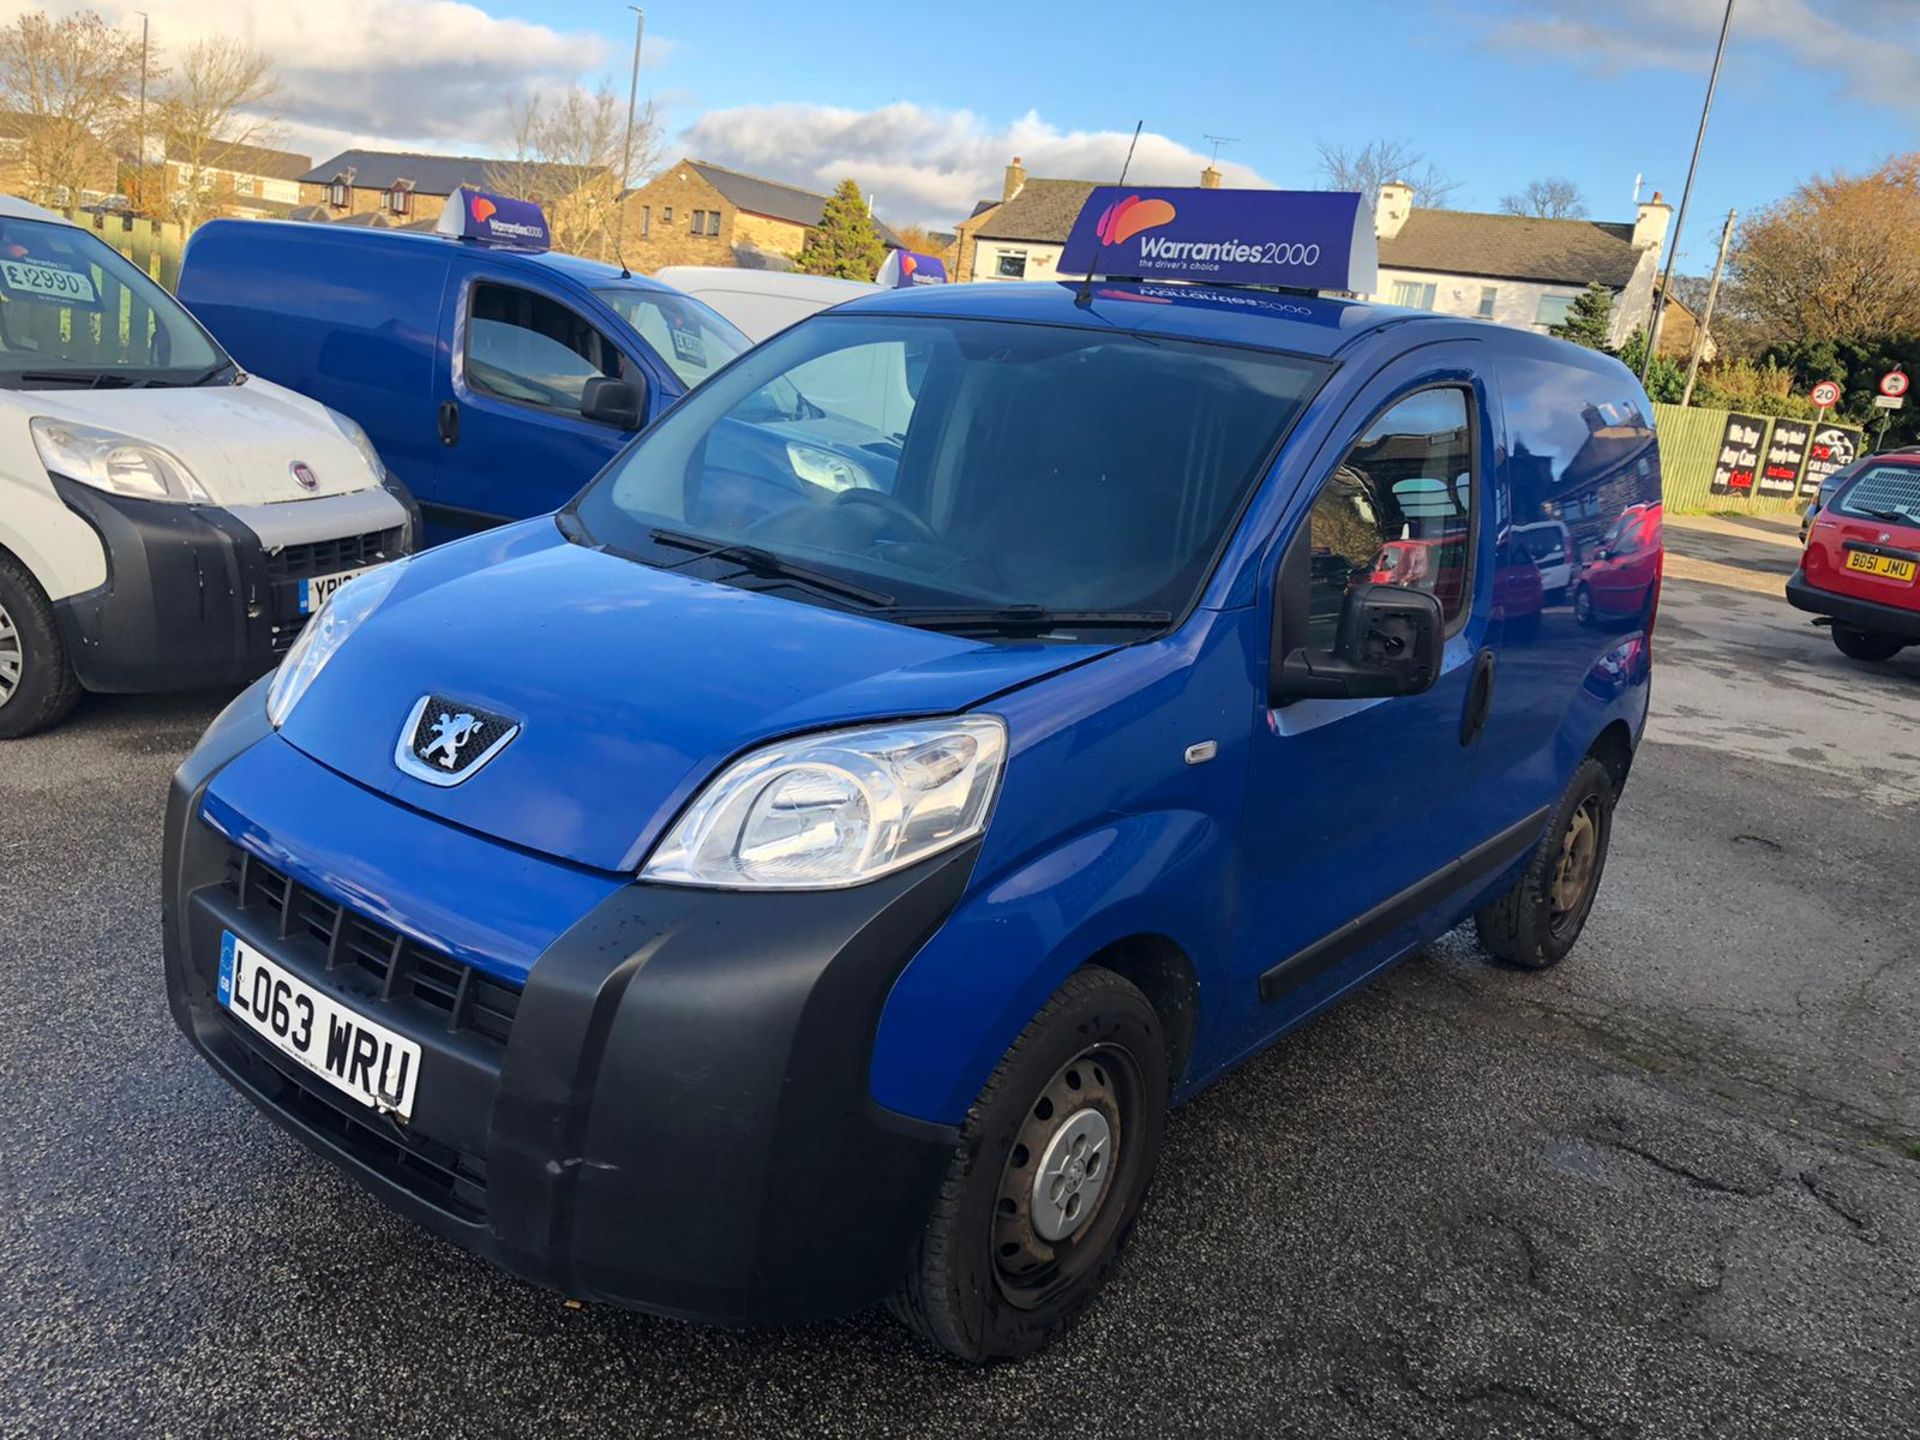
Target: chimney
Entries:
(1210, 178)
(1390, 212)
(1650, 223)
(1016, 179)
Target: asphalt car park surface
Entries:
(1671, 1188)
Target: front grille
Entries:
(330, 557)
(470, 999)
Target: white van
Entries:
(762, 302)
(166, 520)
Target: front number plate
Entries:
(316, 592)
(1885, 565)
(369, 1062)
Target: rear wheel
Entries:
(37, 683)
(1536, 923)
(1865, 645)
(1583, 610)
(1044, 1188)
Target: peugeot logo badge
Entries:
(1885, 536)
(303, 476)
(447, 741)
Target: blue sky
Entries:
(1495, 91)
(924, 104)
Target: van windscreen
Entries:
(75, 312)
(950, 462)
(693, 340)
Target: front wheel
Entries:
(1536, 923)
(1048, 1179)
(1583, 610)
(1864, 645)
(37, 683)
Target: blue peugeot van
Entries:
(492, 375)
(754, 892)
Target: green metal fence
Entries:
(1691, 442)
(153, 245)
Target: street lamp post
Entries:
(626, 146)
(140, 143)
(1686, 191)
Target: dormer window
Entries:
(400, 198)
(337, 193)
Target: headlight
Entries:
(325, 633)
(826, 469)
(108, 460)
(838, 809)
(357, 438)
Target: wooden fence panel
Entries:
(1689, 448)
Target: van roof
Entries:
(1300, 324)
(14, 209)
(586, 272)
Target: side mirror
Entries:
(609, 401)
(1389, 643)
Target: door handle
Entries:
(449, 422)
(1479, 698)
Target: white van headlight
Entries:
(357, 438)
(325, 634)
(108, 460)
(837, 809)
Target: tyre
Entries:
(37, 683)
(1536, 923)
(1864, 645)
(1583, 610)
(1049, 1176)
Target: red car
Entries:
(1861, 571)
(1621, 577)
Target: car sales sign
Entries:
(496, 219)
(1297, 239)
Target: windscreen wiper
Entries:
(205, 377)
(769, 566)
(1892, 517)
(1027, 619)
(89, 379)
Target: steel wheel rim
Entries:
(1042, 1240)
(1578, 866)
(13, 656)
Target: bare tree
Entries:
(566, 154)
(70, 81)
(1554, 198)
(218, 103)
(1382, 162)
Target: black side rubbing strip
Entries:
(1478, 864)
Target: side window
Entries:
(1397, 510)
(525, 347)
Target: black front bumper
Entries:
(675, 1114)
(1867, 615)
(193, 599)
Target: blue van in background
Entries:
(494, 379)
(766, 888)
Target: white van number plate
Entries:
(316, 592)
(369, 1062)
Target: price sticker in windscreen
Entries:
(51, 282)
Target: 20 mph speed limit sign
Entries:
(1894, 383)
(1826, 394)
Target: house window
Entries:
(666, 215)
(337, 194)
(243, 184)
(1553, 310)
(1488, 294)
(706, 222)
(1414, 295)
(1011, 265)
(646, 221)
(400, 200)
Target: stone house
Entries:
(697, 213)
(402, 187)
(1020, 235)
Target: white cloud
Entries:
(924, 165)
(421, 73)
(1870, 49)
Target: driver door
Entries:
(1359, 810)
(513, 440)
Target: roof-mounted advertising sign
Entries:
(903, 269)
(495, 219)
(1298, 239)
